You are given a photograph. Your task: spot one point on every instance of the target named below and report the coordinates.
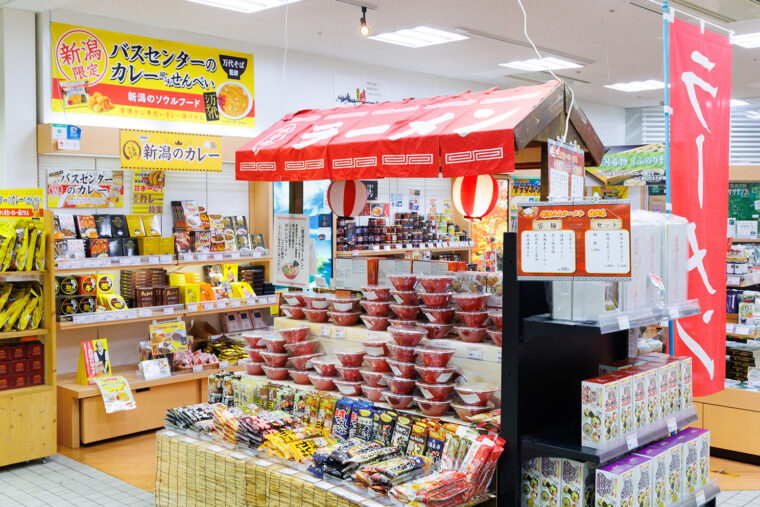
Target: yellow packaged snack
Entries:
(36, 314)
(242, 290)
(32, 232)
(230, 272)
(39, 251)
(305, 448)
(18, 256)
(18, 298)
(5, 292)
(206, 292)
(112, 302)
(7, 239)
(25, 317)
(136, 226)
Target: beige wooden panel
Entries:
(732, 428)
(152, 404)
(29, 431)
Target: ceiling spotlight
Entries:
(363, 27)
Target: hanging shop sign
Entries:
(21, 202)
(566, 170)
(170, 151)
(105, 73)
(700, 88)
(291, 250)
(574, 241)
(632, 165)
(80, 188)
(148, 192)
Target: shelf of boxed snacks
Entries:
(397, 249)
(21, 334)
(156, 261)
(134, 315)
(740, 281)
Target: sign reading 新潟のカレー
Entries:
(150, 149)
(109, 73)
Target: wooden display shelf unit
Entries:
(82, 418)
(28, 414)
(720, 413)
(148, 265)
(400, 251)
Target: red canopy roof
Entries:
(469, 133)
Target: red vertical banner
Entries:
(700, 91)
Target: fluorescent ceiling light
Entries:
(747, 40)
(418, 37)
(637, 86)
(547, 63)
(737, 102)
(245, 6)
(753, 115)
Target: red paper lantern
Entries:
(475, 196)
(347, 197)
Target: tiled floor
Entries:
(63, 482)
(739, 498)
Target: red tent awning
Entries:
(469, 133)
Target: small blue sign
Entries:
(73, 132)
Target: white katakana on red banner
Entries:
(700, 87)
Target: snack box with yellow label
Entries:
(136, 226)
(87, 285)
(104, 283)
(150, 245)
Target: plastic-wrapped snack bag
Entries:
(18, 298)
(39, 251)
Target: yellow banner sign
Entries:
(170, 151)
(148, 193)
(115, 74)
(21, 202)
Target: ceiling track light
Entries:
(363, 27)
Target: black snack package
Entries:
(103, 225)
(115, 248)
(129, 246)
(119, 227)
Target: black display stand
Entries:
(543, 364)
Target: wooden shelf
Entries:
(68, 385)
(373, 253)
(746, 240)
(148, 265)
(26, 390)
(21, 334)
(227, 309)
(13, 275)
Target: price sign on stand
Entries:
(574, 240)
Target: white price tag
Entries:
(700, 498)
(189, 440)
(409, 246)
(83, 319)
(498, 355)
(262, 463)
(131, 314)
(375, 248)
(474, 353)
(733, 280)
(218, 257)
(372, 335)
(623, 322)
(288, 471)
(324, 485)
(144, 312)
(387, 248)
(215, 448)
(166, 259)
(399, 246)
(192, 307)
(340, 332)
(309, 478)
(325, 331)
(224, 364)
(197, 368)
(355, 253)
(742, 330)
(632, 441)
(154, 259)
(187, 257)
(234, 303)
(238, 455)
(169, 311)
(674, 313)
(202, 256)
(119, 315)
(169, 433)
(251, 301)
(272, 299)
(730, 328)
(101, 317)
(129, 261)
(212, 305)
(353, 496)
(672, 425)
(235, 255)
(372, 503)
(255, 255)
